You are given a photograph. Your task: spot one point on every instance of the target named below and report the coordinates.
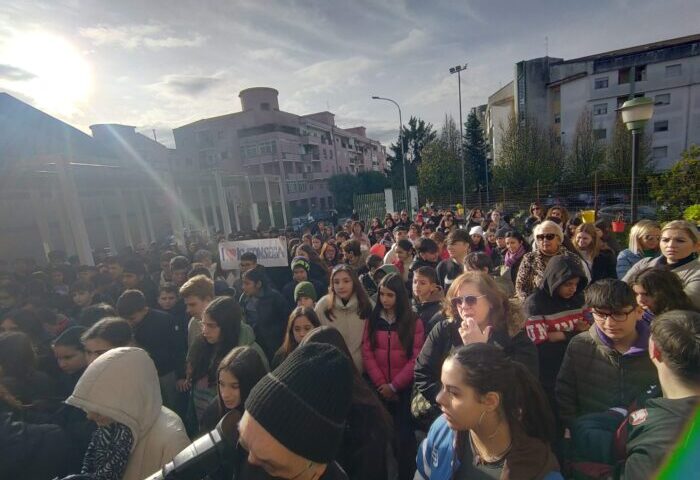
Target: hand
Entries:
(386, 392)
(471, 333)
(183, 385)
(556, 337)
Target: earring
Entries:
(481, 418)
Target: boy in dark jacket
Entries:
(654, 430)
(427, 297)
(458, 247)
(608, 366)
(300, 273)
(555, 314)
(427, 255)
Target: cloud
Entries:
(329, 75)
(8, 72)
(186, 85)
(415, 39)
(151, 36)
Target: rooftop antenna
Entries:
(154, 134)
(546, 46)
(328, 106)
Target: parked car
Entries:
(611, 212)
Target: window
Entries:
(600, 134)
(601, 83)
(264, 106)
(662, 99)
(673, 70)
(660, 152)
(640, 73)
(268, 148)
(661, 126)
(600, 109)
(623, 76)
(557, 118)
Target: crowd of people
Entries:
(432, 347)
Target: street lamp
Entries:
(635, 114)
(403, 155)
(458, 69)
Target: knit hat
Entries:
(378, 249)
(300, 262)
(305, 289)
(304, 402)
(476, 231)
(387, 269)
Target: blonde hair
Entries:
(687, 227)
(638, 230)
(589, 229)
(550, 225)
(199, 286)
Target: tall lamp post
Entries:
(403, 154)
(635, 114)
(458, 69)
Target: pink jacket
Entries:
(388, 363)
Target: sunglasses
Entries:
(546, 236)
(651, 237)
(470, 300)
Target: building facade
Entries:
(556, 92)
(304, 150)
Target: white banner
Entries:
(271, 252)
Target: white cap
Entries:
(476, 231)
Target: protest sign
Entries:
(271, 252)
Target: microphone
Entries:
(205, 455)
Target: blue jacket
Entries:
(436, 457)
(625, 260)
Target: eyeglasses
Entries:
(470, 300)
(650, 237)
(614, 316)
(546, 236)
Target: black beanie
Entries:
(304, 402)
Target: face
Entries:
(349, 257)
(643, 298)
(316, 244)
(491, 237)
(229, 389)
(422, 288)
(549, 242)
(56, 277)
(9, 325)
(96, 347)
(479, 311)
(501, 242)
(676, 245)
(70, 360)
(387, 298)
(248, 264)
(622, 326)
(476, 214)
(195, 306)
(329, 254)
(412, 233)
(178, 277)
(250, 287)
(476, 239)
(568, 288)
(583, 240)
(100, 420)
(400, 235)
(458, 249)
(302, 253)
(82, 299)
(266, 452)
(430, 256)
(342, 285)
(301, 327)
(305, 302)
(210, 329)
(537, 211)
(300, 274)
(460, 403)
(115, 271)
(167, 300)
(401, 254)
(555, 213)
(650, 240)
(496, 216)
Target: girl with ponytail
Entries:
(495, 422)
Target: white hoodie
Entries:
(122, 384)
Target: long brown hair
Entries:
(589, 229)
(313, 256)
(290, 343)
(246, 364)
(405, 317)
(505, 315)
(364, 305)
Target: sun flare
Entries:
(54, 72)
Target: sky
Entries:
(161, 64)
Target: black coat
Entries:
(156, 334)
(269, 320)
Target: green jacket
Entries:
(652, 433)
(595, 377)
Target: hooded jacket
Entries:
(548, 312)
(347, 321)
(267, 314)
(123, 385)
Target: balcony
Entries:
(259, 159)
(308, 157)
(310, 140)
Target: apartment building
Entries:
(305, 150)
(556, 92)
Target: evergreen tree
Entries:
(440, 171)
(476, 150)
(416, 135)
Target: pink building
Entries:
(262, 140)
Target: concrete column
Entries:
(182, 210)
(389, 200)
(41, 222)
(223, 203)
(121, 203)
(69, 193)
(108, 227)
(269, 202)
(203, 210)
(139, 219)
(149, 219)
(173, 209)
(60, 214)
(214, 212)
(254, 218)
(280, 183)
(235, 215)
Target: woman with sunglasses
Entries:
(644, 243)
(680, 244)
(548, 240)
(536, 216)
(475, 311)
(447, 224)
